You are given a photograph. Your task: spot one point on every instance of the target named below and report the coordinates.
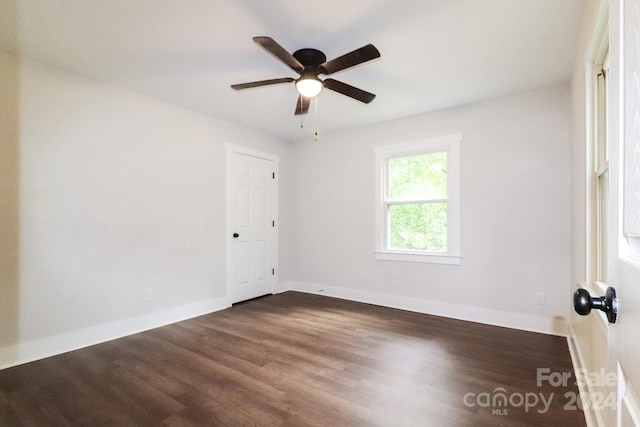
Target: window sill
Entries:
(417, 257)
(634, 246)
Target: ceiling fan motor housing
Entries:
(310, 57)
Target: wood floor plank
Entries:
(295, 359)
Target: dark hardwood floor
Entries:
(300, 360)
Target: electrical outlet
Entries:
(147, 294)
(540, 298)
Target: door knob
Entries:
(583, 303)
(236, 235)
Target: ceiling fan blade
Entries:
(271, 46)
(348, 90)
(259, 83)
(351, 59)
(302, 107)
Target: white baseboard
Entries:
(591, 417)
(62, 343)
(281, 287)
(527, 322)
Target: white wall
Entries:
(108, 193)
(515, 215)
(9, 197)
(118, 193)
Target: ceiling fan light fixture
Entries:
(309, 86)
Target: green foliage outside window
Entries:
(417, 202)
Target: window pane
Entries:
(419, 226)
(421, 177)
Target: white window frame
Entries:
(448, 143)
(597, 234)
(601, 166)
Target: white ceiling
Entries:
(434, 53)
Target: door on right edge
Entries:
(625, 198)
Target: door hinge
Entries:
(273, 271)
(273, 223)
(274, 175)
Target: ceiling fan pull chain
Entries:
(316, 134)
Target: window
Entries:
(418, 201)
(601, 169)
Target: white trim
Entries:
(438, 143)
(232, 148)
(630, 401)
(69, 341)
(584, 388)
(418, 257)
(598, 46)
(282, 287)
(634, 246)
(448, 143)
(514, 320)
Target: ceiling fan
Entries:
(310, 63)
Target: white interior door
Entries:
(609, 353)
(623, 224)
(627, 263)
(251, 221)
